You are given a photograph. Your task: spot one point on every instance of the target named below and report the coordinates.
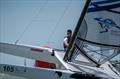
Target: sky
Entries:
(36, 22)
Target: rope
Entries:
(40, 10)
(51, 35)
(0, 57)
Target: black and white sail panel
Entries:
(98, 38)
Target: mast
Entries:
(68, 54)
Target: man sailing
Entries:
(67, 39)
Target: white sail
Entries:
(98, 37)
(84, 49)
(103, 28)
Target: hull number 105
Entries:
(8, 68)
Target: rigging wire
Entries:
(101, 51)
(0, 57)
(65, 10)
(40, 10)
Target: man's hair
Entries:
(69, 30)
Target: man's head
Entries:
(69, 32)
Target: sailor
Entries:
(67, 39)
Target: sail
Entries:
(98, 37)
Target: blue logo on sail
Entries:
(106, 24)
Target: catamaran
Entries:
(91, 54)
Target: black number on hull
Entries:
(8, 68)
